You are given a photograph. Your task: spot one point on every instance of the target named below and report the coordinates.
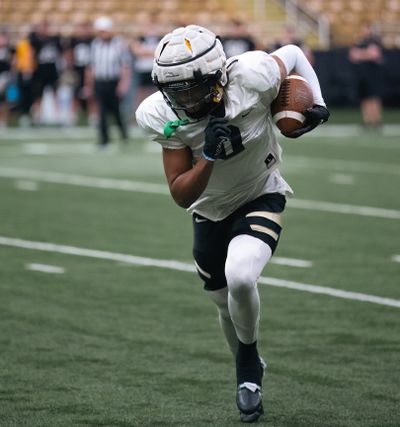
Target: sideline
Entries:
(182, 266)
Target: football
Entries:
(294, 98)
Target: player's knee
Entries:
(240, 276)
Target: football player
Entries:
(221, 157)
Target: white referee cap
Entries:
(103, 23)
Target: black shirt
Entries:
(80, 50)
(6, 54)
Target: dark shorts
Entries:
(45, 75)
(370, 81)
(80, 80)
(260, 218)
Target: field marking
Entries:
(355, 296)
(128, 259)
(43, 148)
(145, 187)
(26, 185)
(340, 165)
(396, 258)
(344, 208)
(183, 266)
(84, 181)
(44, 268)
(351, 130)
(341, 179)
(291, 262)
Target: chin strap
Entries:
(171, 127)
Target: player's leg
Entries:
(247, 256)
(101, 98)
(256, 233)
(220, 298)
(114, 103)
(209, 251)
(246, 259)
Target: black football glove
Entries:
(315, 116)
(215, 132)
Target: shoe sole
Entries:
(251, 418)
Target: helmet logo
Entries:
(188, 45)
(171, 74)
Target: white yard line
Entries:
(341, 179)
(396, 258)
(340, 165)
(26, 185)
(41, 148)
(355, 296)
(129, 259)
(344, 208)
(144, 187)
(44, 268)
(182, 266)
(84, 181)
(291, 262)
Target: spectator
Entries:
(143, 51)
(238, 40)
(25, 67)
(79, 59)
(48, 56)
(109, 75)
(6, 56)
(367, 57)
(289, 36)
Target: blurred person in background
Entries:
(6, 59)
(143, 49)
(79, 58)
(237, 40)
(367, 57)
(289, 36)
(221, 160)
(48, 52)
(108, 76)
(25, 66)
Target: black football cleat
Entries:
(249, 402)
(249, 397)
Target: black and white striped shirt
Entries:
(108, 57)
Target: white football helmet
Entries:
(190, 70)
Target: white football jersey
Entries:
(252, 155)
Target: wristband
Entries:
(210, 159)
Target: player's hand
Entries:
(314, 117)
(216, 131)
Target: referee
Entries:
(109, 74)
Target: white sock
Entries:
(220, 298)
(246, 259)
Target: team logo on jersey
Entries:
(270, 160)
(245, 114)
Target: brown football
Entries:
(294, 98)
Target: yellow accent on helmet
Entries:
(188, 45)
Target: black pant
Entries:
(108, 102)
(25, 87)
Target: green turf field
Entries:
(97, 331)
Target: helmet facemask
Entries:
(197, 97)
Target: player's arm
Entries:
(186, 182)
(282, 68)
(290, 58)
